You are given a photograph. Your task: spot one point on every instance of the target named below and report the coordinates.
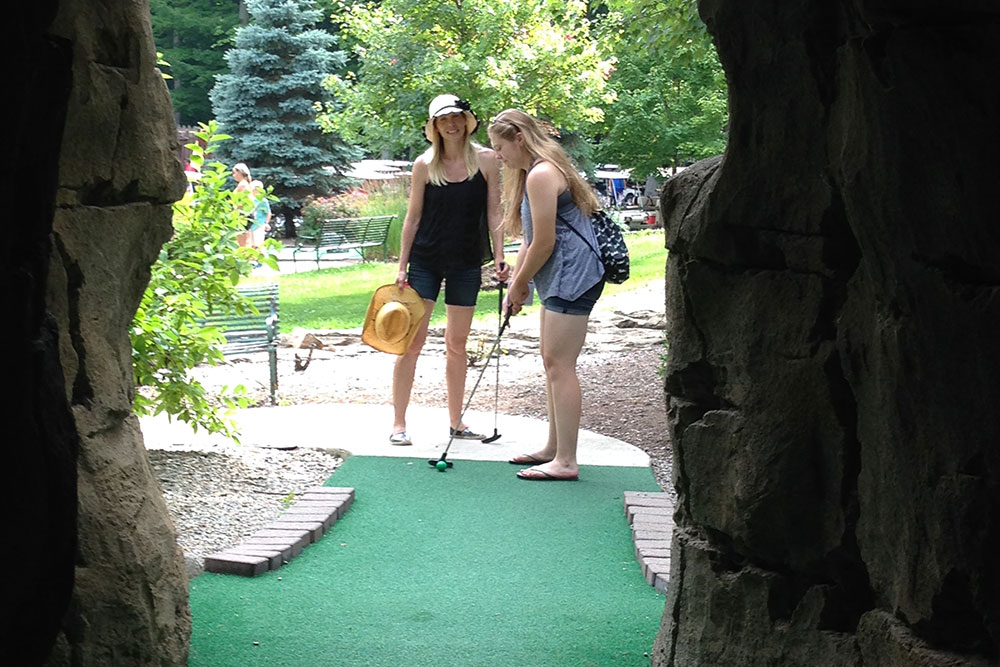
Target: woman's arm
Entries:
(491, 171)
(418, 183)
(543, 185)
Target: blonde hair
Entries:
(434, 157)
(540, 145)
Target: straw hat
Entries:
(393, 319)
(442, 105)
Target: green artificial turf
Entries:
(465, 567)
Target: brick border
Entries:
(281, 540)
(651, 517)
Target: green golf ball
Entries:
(441, 465)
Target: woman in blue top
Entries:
(261, 214)
(547, 200)
(454, 196)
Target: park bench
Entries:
(250, 332)
(340, 234)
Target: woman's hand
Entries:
(517, 294)
(401, 279)
(502, 270)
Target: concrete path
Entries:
(362, 430)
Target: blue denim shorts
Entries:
(461, 286)
(580, 306)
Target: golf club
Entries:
(496, 394)
(442, 463)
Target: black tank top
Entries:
(452, 225)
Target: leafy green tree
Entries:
(537, 55)
(196, 273)
(269, 99)
(671, 104)
(192, 35)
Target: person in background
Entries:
(454, 197)
(649, 189)
(241, 174)
(547, 200)
(261, 214)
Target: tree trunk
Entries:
(288, 214)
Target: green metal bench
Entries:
(251, 332)
(340, 234)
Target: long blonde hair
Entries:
(434, 157)
(540, 145)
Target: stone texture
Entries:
(118, 174)
(298, 539)
(275, 559)
(290, 547)
(226, 562)
(833, 316)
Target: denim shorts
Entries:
(461, 286)
(580, 306)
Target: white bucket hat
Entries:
(442, 105)
(242, 168)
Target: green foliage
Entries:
(196, 273)
(671, 105)
(388, 201)
(192, 35)
(317, 209)
(538, 55)
(268, 101)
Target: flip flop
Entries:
(541, 476)
(527, 460)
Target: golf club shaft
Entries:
(496, 393)
(496, 344)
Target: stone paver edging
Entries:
(651, 516)
(278, 542)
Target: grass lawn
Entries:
(337, 298)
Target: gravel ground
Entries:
(219, 497)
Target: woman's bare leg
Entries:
(456, 335)
(405, 369)
(562, 339)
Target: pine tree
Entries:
(267, 103)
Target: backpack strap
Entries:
(575, 231)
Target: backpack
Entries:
(611, 248)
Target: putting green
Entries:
(465, 567)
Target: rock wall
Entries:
(118, 173)
(832, 295)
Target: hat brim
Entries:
(471, 122)
(383, 295)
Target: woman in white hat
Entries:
(551, 204)
(454, 193)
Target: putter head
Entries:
(434, 462)
(492, 438)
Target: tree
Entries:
(671, 104)
(197, 271)
(537, 55)
(268, 103)
(191, 35)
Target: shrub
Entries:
(196, 273)
(344, 205)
